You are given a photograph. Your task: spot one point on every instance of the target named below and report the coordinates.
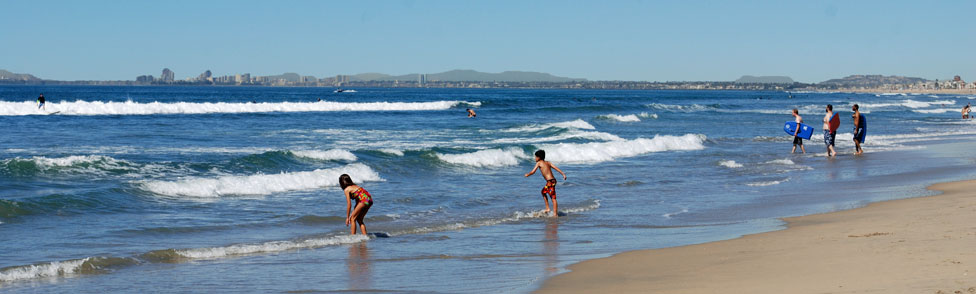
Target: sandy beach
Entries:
(918, 245)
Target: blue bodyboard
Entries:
(805, 130)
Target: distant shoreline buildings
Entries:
(456, 79)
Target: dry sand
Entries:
(919, 245)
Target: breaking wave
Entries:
(260, 184)
(607, 151)
(88, 265)
(333, 154)
(620, 118)
(139, 108)
(486, 158)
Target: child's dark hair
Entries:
(541, 154)
(345, 181)
(830, 107)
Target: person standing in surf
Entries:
(860, 129)
(355, 214)
(40, 102)
(965, 111)
(550, 188)
(797, 141)
(829, 133)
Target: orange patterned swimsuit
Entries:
(361, 196)
(550, 188)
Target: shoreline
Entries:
(914, 245)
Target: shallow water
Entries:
(201, 189)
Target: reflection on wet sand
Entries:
(550, 246)
(358, 263)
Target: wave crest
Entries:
(260, 184)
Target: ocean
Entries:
(234, 189)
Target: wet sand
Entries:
(918, 245)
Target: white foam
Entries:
(44, 270)
(907, 103)
(621, 118)
(396, 152)
(260, 184)
(782, 162)
(268, 247)
(680, 108)
(574, 124)
(730, 164)
(333, 154)
(767, 183)
(570, 134)
(647, 115)
(937, 110)
(137, 108)
(486, 158)
(670, 214)
(607, 151)
(516, 216)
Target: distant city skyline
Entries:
(810, 41)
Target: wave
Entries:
(682, 108)
(137, 108)
(607, 151)
(570, 134)
(74, 165)
(573, 124)
(392, 151)
(730, 164)
(486, 158)
(333, 154)
(515, 216)
(620, 118)
(63, 268)
(260, 184)
(907, 103)
(180, 255)
(647, 115)
(934, 111)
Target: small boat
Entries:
(339, 90)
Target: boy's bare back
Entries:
(546, 169)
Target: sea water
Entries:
(234, 189)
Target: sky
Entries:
(810, 41)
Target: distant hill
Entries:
(288, 76)
(460, 75)
(9, 76)
(870, 81)
(764, 80)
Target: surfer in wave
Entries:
(40, 102)
(550, 188)
(364, 201)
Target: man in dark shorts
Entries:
(829, 135)
(797, 141)
(860, 129)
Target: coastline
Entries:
(914, 245)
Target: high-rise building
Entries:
(144, 79)
(168, 76)
(422, 79)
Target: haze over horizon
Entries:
(638, 40)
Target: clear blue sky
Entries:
(810, 41)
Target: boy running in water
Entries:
(550, 188)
